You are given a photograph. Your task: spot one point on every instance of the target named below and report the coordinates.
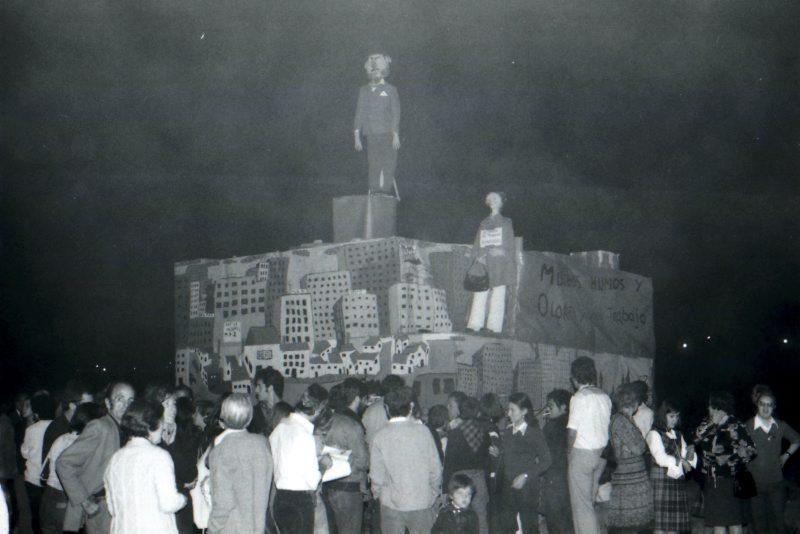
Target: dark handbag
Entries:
(744, 485)
(477, 279)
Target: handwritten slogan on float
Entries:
(564, 302)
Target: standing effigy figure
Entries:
(494, 249)
(378, 119)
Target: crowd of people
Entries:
(363, 457)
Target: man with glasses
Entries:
(82, 465)
(769, 434)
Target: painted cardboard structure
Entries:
(371, 307)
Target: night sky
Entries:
(139, 134)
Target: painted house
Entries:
(325, 360)
(414, 356)
(240, 379)
(372, 344)
(261, 349)
(295, 360)
(436, 380)
(364, 363)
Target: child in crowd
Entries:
(457, 517)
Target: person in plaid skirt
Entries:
(672, 459)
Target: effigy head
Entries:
(377, 66)
(496, 199)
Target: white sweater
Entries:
(140, 490)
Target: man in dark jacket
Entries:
(378, 119)
(347, 434)
(82, 465)
(555, 490)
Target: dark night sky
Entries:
(139, 134)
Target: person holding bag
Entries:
(727, 449)
(492, 252)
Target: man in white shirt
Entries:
(297, 470)
(587, 436)
(44, 407)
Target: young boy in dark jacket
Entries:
(457, 517)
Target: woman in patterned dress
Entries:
(726, 448)
(672, 459)
(631, 506)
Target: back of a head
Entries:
(143, 416)
(44, 406)
(84, 413)
(641, 389)
(560, 397)
(391, 382)
(350, 389)
(313, 400)
(490, 407)
(398, 401)
(183, 391)
(373, 388)
(184, 413)
(583, 371)
(625, 397)
(469, 408)
(73, 393)
(236, 411)
(157, 393)
(280, 411)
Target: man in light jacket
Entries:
(82, 465)
(241, 473)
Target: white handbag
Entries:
(201, 494)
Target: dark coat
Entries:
(500, 258)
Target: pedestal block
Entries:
(364, 217)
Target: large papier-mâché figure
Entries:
(378, 120)
(494, 247)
